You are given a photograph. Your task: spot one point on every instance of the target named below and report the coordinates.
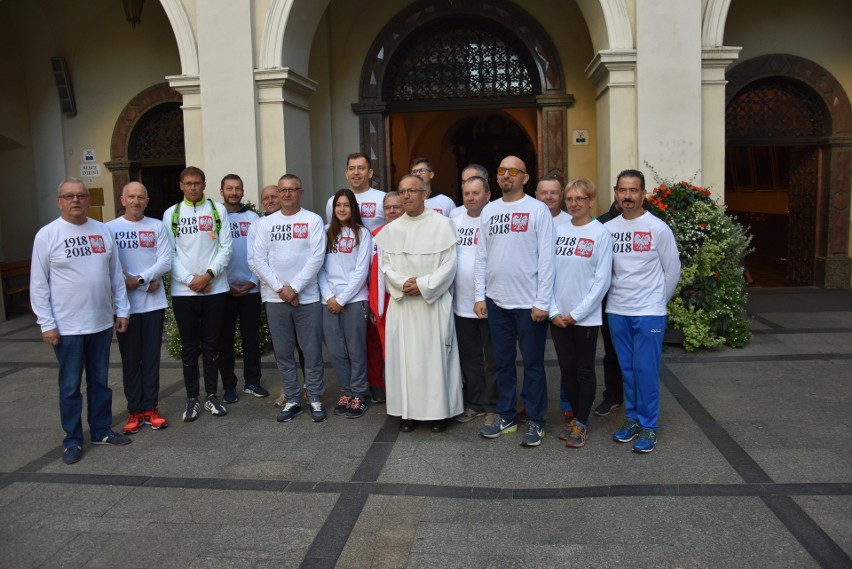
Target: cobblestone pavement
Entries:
(753, 468)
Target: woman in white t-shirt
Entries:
(582, 267)
(344, 292)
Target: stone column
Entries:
(714, 62)
(225, 31)
(284, 129)
(668, 81)
(614, 74)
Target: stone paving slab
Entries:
(752, 470)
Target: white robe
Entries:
(422, 373)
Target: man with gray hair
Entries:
(76, 289)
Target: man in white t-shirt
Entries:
(474, 338)
(201, 250)
(423, 169)
(145, 252)
(288, 253)
(359, 173)
(645, 272)
(242, 300)
(549, 192)
(514, 283)
(76, 289)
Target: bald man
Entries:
(145, 254)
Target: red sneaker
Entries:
(152, 417)
(134, 421)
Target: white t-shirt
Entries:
(645, 266)
(583, 268)
(238, 268)
(345, 272)
(514, 259)
(372, 211)
(289, 249)
(76, 280)
(198, 246)
(561, 219)
(467, 233)
(144, 249)
(441, 203)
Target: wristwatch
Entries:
(140, 280)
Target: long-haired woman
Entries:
(343, 287)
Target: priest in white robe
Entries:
(422, 373)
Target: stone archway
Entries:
(832, 264)
(123, 164)
(531, 44)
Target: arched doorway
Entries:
(148, 147)
(439, 67)
(785, 155)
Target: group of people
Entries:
(422, 305)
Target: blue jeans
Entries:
(289, 324)
(638, 342)
(512, 329)
(346, 337)
(75, 353)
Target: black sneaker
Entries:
(72, 455)
(256, 390)
(607, 407)
(193, 408)
(318, 414)
(377, 395)
(230, 396)
(357, 407)
(212, 404)
(112, 438)
(291, 409)
(342, 405)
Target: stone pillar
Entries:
(613, 73)
(225, 32)
(714, 62)
(193, 133)
(668, 81)
(284, 130)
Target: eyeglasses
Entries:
(419, 171)
(192, 184)
(71, 197)
(511, 171)
(404, 193)
(579, 199)
(392, 207)
(631, 191)
(288, 191)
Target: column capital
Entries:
(612, 68)
(283, 85)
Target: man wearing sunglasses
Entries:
(513, 280)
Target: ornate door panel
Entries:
(801, 243)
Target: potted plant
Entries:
(708, 306)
